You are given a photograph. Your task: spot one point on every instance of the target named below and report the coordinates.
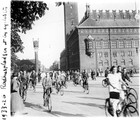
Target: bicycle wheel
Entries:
(49, 104)
(25, 95)
(134, 92)
(130, 111)
(65, 85)
(104, 83)
(108, 108)
(61, 91)
(131, 99)
(86, 89)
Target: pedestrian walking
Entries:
(93, 75)
(16, 102)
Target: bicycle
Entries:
(47, 99)
(133, 91)
(24, 94)
(132, 98)
(60, 88)
(85, 86)
(23, 91)
(127, 108)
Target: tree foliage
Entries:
(23, 15)
(55, 66)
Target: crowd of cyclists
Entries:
(116, 76)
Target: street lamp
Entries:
(36, 46)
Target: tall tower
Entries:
(70, 21)
(70, 17)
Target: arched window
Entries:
(115, 62)
(122, 62)
(100, 54)
(114, 54)
(130, 62)
(122, 53)
(105, 54)
(106, 62)
(129, 53)
(100, 63)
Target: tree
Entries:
(23, 15)
(55, 66)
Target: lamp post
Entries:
(36, 46)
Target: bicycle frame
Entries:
(47, 99)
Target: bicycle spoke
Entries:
(131, 99)
(131, 111)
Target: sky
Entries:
(50, 28)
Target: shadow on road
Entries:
(93, 98)
(58, 113)
(55, 113)
(74, 91)
(35, 106)
(87, 104)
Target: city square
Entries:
(72, 59)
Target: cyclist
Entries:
(62, 78)
(115, 81)
(85, 79)
(23, 83)
(33, 79)
(106, 72)
(125, 76)
(47, 86)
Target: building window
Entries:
(115, 54)
(71, 6)
(121, 44)
(98, 45)
(115, 62)
(129, 53)
(128, 44)
(72, 22)
(122, 53)
(101, 63)
(100, 54)
(135, 43)
(113, 44)
(106, 63)
(122, 62)
(105, 54)
(130, 62)
(105, 44)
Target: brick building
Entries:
(102, 39)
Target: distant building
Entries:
(63, 60)
(101, 39)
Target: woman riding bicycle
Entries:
(115, 81)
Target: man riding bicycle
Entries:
(23, 83)
(33, 79)
(47, 86)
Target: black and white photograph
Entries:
(69, 58)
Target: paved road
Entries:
(73, 103)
